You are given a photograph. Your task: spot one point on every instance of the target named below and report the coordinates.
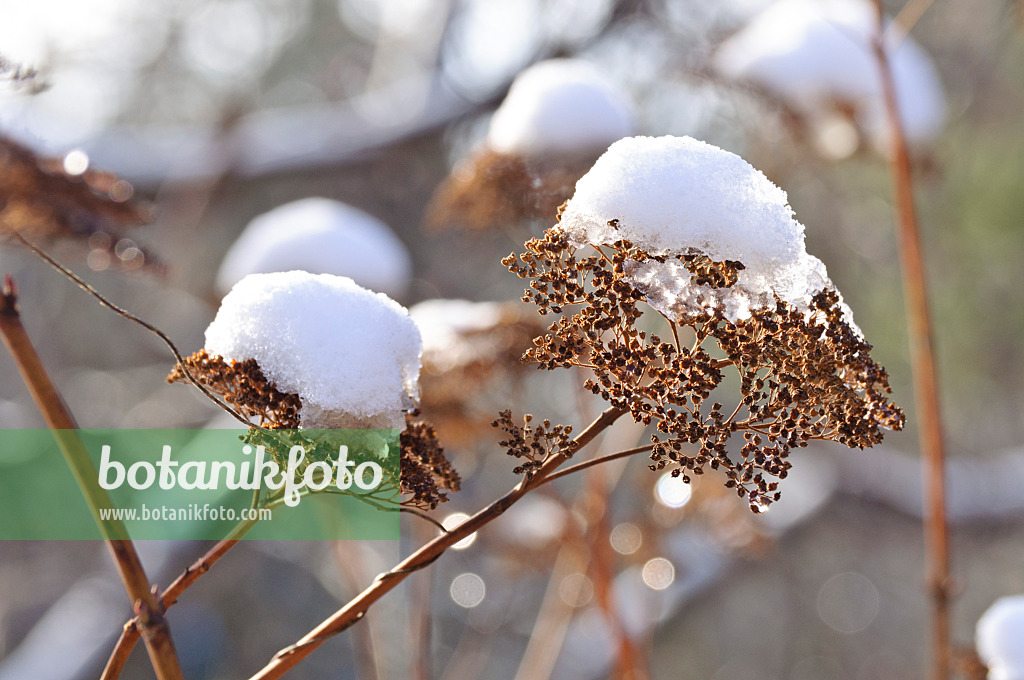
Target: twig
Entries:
(597, 461)
(922, 357)
(348, 615)
(130, 633)
(153, 626)
(131, 317)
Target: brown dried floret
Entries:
(532, 444)
(802, 377)
(40, 200)
(491, 190)
(426, 473)
(707, 272)
(242, 385)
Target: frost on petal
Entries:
(320, 236)
(352, 355)
(560, 106)
(999, 634)
(677, 196)
(817, 55)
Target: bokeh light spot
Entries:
(848, 602)
(468, 590)
(453, 520)
(626, 538)
(658, 573)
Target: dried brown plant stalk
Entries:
(922, 356)
(130, 633)
(802, 377)
(149, 613)
(355, 609)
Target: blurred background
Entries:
(218, 111)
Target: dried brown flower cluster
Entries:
(425, 472)
(242, 385)
(801, 377)
(491, 191)
(39, 200)
(455, 382)
(532, 444)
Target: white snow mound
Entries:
(671, 195)
(814, 53)
(999, 637)
(321, 236)
(442, 322)
(352, 355)
(560, 106)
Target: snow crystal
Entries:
(816, 52)
(671, 195)
(999, 638)
(320, 236)
(352, 355)
(560, 106)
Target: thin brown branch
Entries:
(131, 317)
(915, 290)
(354, 610)
(130, 634)
(597, 461)
(153, 626)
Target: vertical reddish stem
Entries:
(922, 357)
(153, 625)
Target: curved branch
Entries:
(355, 609)
(131, 317)
(597, 461)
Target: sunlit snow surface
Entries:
(352, 355)
(671, 195)
(560, 106)
(814, 53)
(1000, 638)
(320, 236)
(441, 321)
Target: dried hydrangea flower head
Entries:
(63, 198)
(315, 351)
(697, 235)
(559, 115)
(999, 634)
(468, 349)
(320, 236)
